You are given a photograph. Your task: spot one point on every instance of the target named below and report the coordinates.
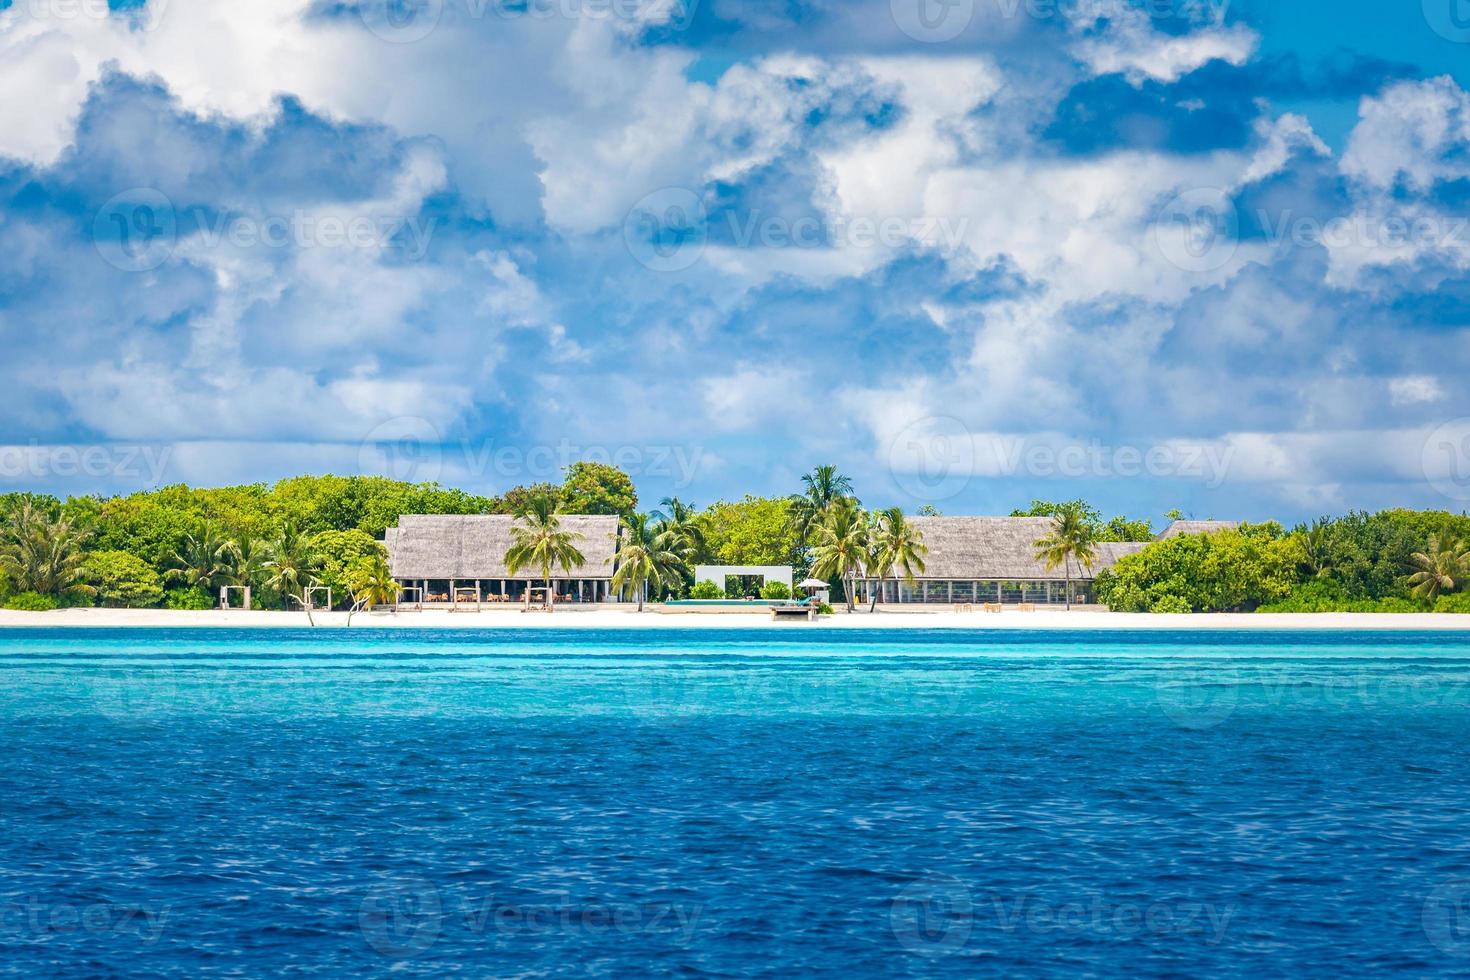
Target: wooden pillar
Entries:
(951, 591)
(453, 593)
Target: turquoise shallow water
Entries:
(734, 803)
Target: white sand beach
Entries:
(614, 618)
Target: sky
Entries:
(1205, 255)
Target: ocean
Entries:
(733, 803)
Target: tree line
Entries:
(292, 541)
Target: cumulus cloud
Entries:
(884, 231)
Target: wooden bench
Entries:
(807, 612)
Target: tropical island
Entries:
(315, 544)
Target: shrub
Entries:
(775, 590)
(123, 581)
(706, 590)
(1324, 596)
(823, 609)
(1171, 604)
(32, 602)
(193, 598)
(1221, 572)
(1458, 602)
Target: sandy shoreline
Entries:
(606, 618)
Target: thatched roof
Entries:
(1000, 548)
(474, 546)
(1196, 527)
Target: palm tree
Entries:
(1439, 569)
(1318, 549)
(245, 561)
(679, 519)
(1070, 539)
(648, 556)
(371, 582)
(822, 488)
(202, 562)
(289, 564)
(539, 541)
(841, 548)
(42, 555)
(897, 546)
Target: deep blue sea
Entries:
(733, 804)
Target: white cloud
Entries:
(1418, 389)
(1415, 131)
(1119, 37)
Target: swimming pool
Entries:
(733, 803)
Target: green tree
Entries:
(1439, 568)
(1227, 571)
(681, 520)
(841, 545)
(896, 547)
(750, 531)
(122, 581)
(41, 554)
(539, 541)
(370, 582)
(1072, 538)
(202, 562)
(822, 488)
(245, 561)
(1124, 529)
(1317, 549)
(336, 553)
(596, 488)
(290, 568)
(648, 557)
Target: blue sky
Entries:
(1204, 254)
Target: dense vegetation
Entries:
(1394, 561)
(177, 546)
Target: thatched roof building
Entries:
(993, 559)
(999, 548)
(472, 547)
